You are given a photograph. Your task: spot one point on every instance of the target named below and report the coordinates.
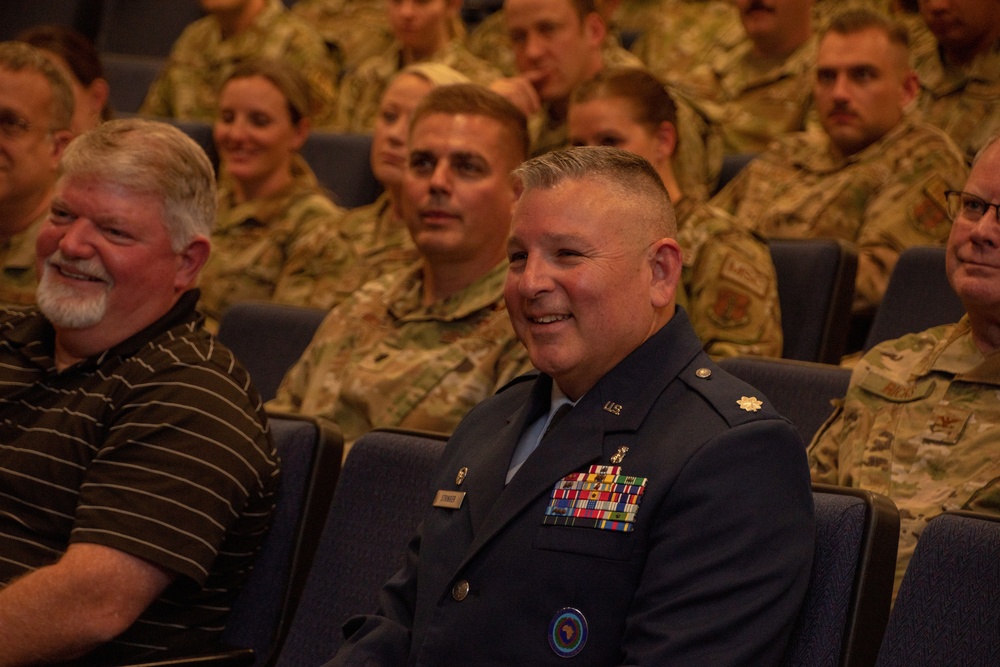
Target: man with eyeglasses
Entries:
(921, 418)
(36, 107)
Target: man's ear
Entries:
(60, 140)
(665, 262)
(594, 28)
(190, 261)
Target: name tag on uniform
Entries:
(449, 499)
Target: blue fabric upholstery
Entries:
(947, 612)
(383, 492)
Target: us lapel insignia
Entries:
(613, 408)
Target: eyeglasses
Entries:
(970, 207)
(12, 126)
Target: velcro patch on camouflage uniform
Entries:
(930, 215)
(946, 425)
(745, 274)
(896, 392)
(731, 308)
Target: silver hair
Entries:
(151, 157)
(630, 177)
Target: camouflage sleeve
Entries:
(732, 193)
(158, 100)
(698, 158)
(357, 102)
(322, 269)
(909, 211)
(321, 71)
(733, 296)
(295, 385)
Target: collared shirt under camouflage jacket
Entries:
(18, 276)
(188, 87)
(754, 99)
(962, 101)
(253, 240)
(382, 358)
(361, 90)
(920, 424)
(884, 199)
(315, 276)
(730, 287)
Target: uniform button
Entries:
(460, 590)
(703, 373)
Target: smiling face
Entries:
(107, 269)
(973, 255)
(388, 154)
(255, 135)
(580, 292)
(863, 83)
(457, 197)
(553, 46)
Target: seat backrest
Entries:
(129, 79)
(917, 297)
(268, 338)
(342, 165)
(947, 611)
(383, 492)
(310, 462)
(799, 390)
(732, 164)
(850, 588)
(144, 27)
(18, 15)
(815, 289)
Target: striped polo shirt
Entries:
(157, 447)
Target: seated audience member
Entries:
(921, 419)
(419, 347)
(269, 198)
(875, 176)
(491, 42)
(728, 284)
(78, 56)
(760, 88)
(234, 30)
(36, 109)
(138, 475)
(691, 569)
(960, 79)
(354, 30)
(430, 30)
(315, 274)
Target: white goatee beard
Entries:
(66, 307)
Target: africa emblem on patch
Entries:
(568, 632)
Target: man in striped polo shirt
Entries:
(137, 475)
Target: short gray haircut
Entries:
(994, 138)
(150, 157)
(21, 57)
(630, 177)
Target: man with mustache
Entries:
(874, 177)
(36, 108)
(136, 470)
(921, 418)
(419, 347)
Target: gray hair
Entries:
(630, 177)
(20, 57)
(994, 138)
(150, 157)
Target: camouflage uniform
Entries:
(382, 358)
(381, 244)
(188, 86)
(754, 99)
(361, 90)
(962, 101)
(253, 240)
(18, 277)
(730, 288)
(885, 198)
(824, 10)
(688, 33)
(920, 423)
(354, 30)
